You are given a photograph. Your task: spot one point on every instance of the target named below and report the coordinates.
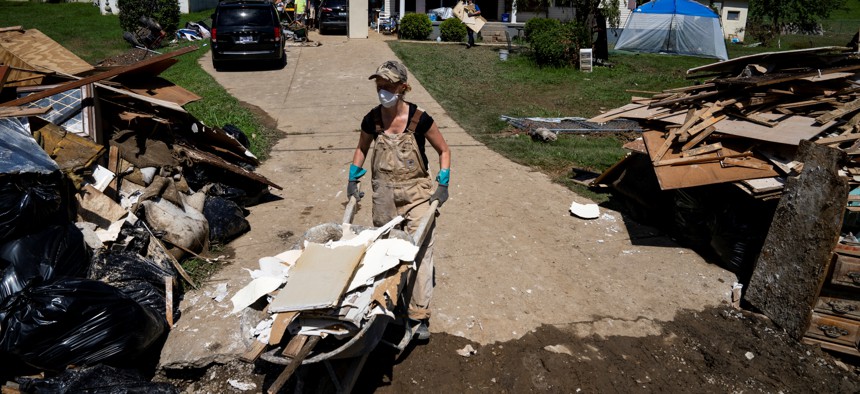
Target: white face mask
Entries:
(388, 99)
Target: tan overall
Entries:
(402, 186)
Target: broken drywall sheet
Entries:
(253, 291)
(318, 279)
(382, 256)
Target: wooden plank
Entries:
(702, 150)
(294, 364)
(4, 74)
(705, 124)
(665, 147)
(786, 280)
(37, 51)
(806, 103)
(694, 97)
(168, 298)
(114, 159)
(95, 78)
(698, 138)
(699, 159)
(11, 28)
(838, 139)
(836, 113)
(675, 177)
(279, 327)
(690, 88)
(294, 347)
(252, 354)
(7, 112)
(739, 162)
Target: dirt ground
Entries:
(719, 350)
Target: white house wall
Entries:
(737, 27)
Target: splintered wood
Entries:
(761, 104)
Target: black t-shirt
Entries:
(368, 125)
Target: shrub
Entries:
(535, 25)
(415, 27)
(452, 30)
(165, 12)
(559, 46)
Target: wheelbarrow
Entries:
(354, 351)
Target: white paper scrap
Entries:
(585, 211)
(103, 178)
(253, 291)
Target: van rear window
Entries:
(245, 17)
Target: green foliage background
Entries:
(415, 27)
(452, 30)
(165, 12)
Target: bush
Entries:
(415, 27)
(535, 25)
(452, 30)
(559, 46)
(165, 12)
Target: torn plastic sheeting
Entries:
(226, 219)
(57, 251)
(20, 153)
(98, 379)
(137, 277)
(76, 322)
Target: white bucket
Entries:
(503, 54)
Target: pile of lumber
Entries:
(743, 122)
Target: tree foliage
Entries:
(771, 18)
(165, 12)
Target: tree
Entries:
(776, 17)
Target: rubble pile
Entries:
(734, 137)
(107, 184)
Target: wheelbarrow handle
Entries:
(425, 223)
(349, 213)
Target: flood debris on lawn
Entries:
(755, 164)
(107, 185)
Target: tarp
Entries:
(682, 27)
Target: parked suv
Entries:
(334, 14)
(245, 30)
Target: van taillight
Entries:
(213, 35)
(277, 33)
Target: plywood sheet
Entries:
(318, 279)
(676, 177)
(162, 89)
(31, 49)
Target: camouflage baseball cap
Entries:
(392, 71)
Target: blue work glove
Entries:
(441, 192)
(355, 172)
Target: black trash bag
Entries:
(238, 134)
(231, 193)
(29, 202)
(56, 252)
(734, 241)
(202, 174)
(692, 216)
(98, 379)
(135, 276)
(135, 238)
(226, 219)
(76, 322)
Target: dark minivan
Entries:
(334, 14)
(247, 31)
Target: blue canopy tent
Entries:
(682, 27)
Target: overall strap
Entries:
(413, 123)
(377, 117)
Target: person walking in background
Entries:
(401, 180)
(472, 10)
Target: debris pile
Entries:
(107, 184)
(757, 164)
